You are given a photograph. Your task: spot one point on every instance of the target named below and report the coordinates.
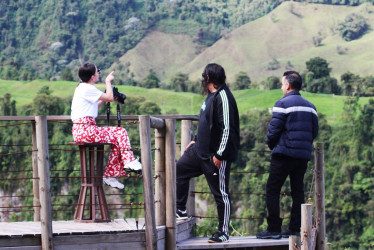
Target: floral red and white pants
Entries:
(85, 130)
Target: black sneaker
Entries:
(269, 235)
(181, 215)
(218, 237)
(287, 233)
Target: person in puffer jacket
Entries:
(292, 129)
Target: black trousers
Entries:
(281, 167)
(191, 165)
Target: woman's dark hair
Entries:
(294, 79)
(86, 71)
(213, 73)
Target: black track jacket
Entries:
(218, 129)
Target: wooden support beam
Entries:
(306, 226)
(44, 182)
(294, 242)
(157, 123)
(186, 134)
(35, 175)
(170, 179)
(160, 180)
(149, 204)
(319, 195)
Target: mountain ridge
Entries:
(286, 34)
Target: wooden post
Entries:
(293, 242)
(306, 226)
(35, 175)
(186, 131)
(170, 178)
(44, 182)
(149, 201)
(160, 180)
(319, 196)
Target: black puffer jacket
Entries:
(293, 127)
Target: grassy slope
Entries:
(184, 103)
(285, 34)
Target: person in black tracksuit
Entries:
(214, 148)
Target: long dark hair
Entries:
(213, 73)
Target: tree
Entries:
(66, 74)
(8, 106)
(349, 79)
(319, 67)
(180, 82)
(45, 90)
(272, 82)
(327, 85)
(353, 27)
(242, 81)
(150, 81)
(149, 108)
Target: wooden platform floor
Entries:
(70, 227)
(234, 242)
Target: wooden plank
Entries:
(294, 242)
(170, 179)
(100, 117)
(157, 122)
(99, 238)
(306, 226)
(17, 118)
(101, 246)
(35, 174)
(20, 241)
(186, 135)
(44, 182)
(160, 180)
(15, 229)
(234, 242)
(319, 196)
(148, 192)
(22, 248)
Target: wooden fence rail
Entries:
(165, 140)
(160, 192)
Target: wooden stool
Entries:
(92, 181)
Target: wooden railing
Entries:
(163, 190)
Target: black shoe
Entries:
(181, 215)
(269, 235)
(218, 237)
(287, 233)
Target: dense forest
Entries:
(42, 38)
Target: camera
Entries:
(120, 96)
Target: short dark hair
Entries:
(294, 79)
(86, 71)
(215, 74)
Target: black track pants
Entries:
(190, 165)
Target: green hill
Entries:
(285, 34)
(185, 103)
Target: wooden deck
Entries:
(70, 235)
(245, 242)
(117, 234)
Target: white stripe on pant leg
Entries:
(225, 198)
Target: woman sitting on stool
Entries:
(86, 102)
